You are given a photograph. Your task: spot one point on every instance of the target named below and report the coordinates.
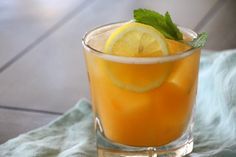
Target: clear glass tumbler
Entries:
(143, 106)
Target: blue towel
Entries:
(215, 128)
(72, 134)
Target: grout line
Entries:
(51, 30)
(30, 110)
(216, 7)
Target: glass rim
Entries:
(137, 60)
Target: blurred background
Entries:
(42, 71)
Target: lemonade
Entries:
(143, 85)
(128, 100)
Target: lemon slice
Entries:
(176, 46)
(137, 40)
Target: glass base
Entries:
(178, 148)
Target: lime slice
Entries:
(137, 40)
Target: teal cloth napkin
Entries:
(72, 134)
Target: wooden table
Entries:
(42, 71)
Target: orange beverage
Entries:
(142, 101)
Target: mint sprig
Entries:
(162, 23)
(165, 25)
(199, 41)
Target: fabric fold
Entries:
(72, 135)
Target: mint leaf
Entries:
(173, 27)
(162, 23)
(165, 25)
(200, 41)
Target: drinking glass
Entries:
(143, 106)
